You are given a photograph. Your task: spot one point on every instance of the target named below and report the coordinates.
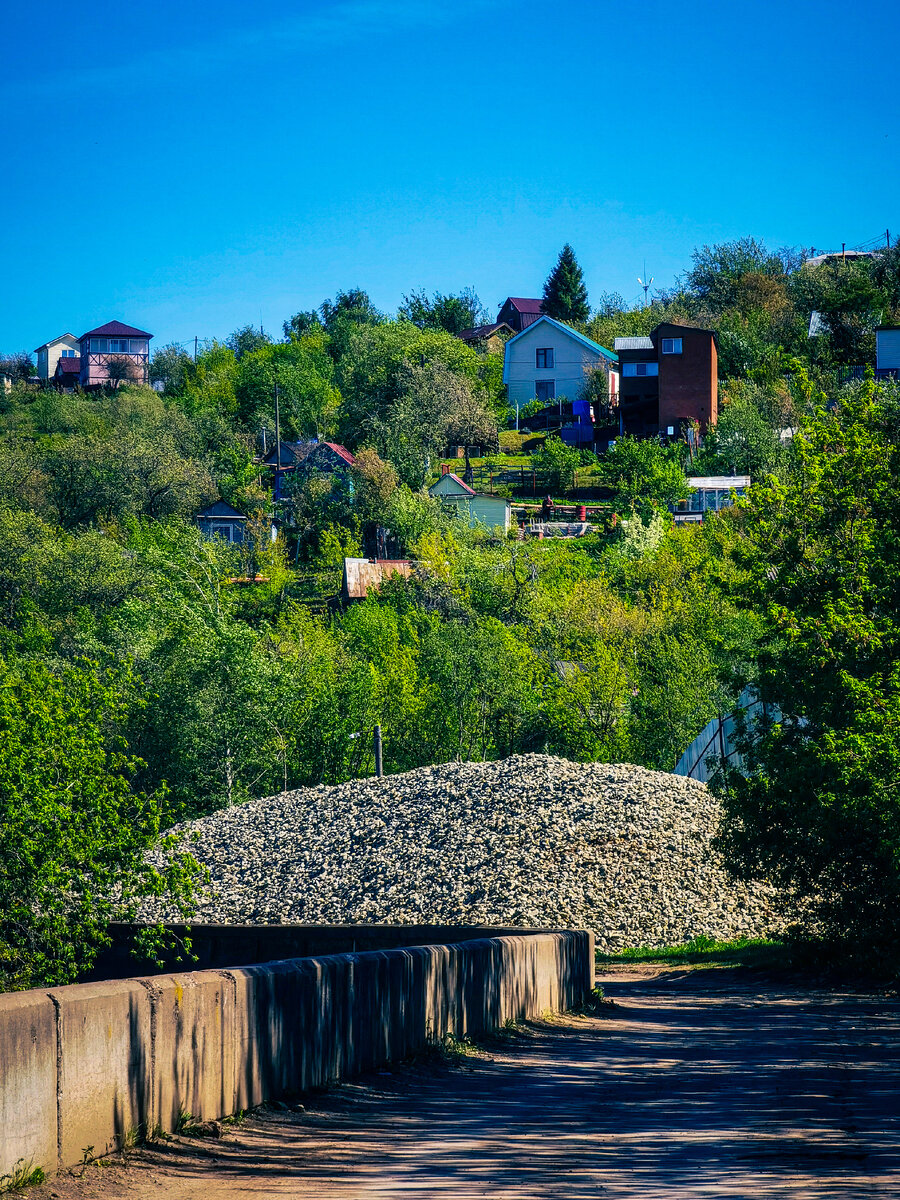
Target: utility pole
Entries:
(277, 443)
(195, 347)
(887, 238)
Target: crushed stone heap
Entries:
(530, 840)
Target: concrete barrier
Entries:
(214, 947)
(87, 1067)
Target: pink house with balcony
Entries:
(114, 353)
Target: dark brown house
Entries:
(518, 313)
(488, 337)
(668, 380)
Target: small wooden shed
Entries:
(476, 508)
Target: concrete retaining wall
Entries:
(216, 946)
(86, 1067)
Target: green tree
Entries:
(743, 441)
(717, 273)
(644, 474)
(246, 340)
(170, 365)
(73, 831)
(559, 461)
(300, 324)
(375, 372)
(304, 373)
(451, 313)
(817, 810)
(17, 366)
(565, 295)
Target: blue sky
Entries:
(189, 168)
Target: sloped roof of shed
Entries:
(633, 343)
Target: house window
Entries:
(118, 345)
(543, 358)
(671, 346)
(630, 370)
(138, 346)
(545, 390)
(67, 354)
(99, 345)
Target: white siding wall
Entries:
(887, 343)
(53, 351)
(490, 511)
(570, 359)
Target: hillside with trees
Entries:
(151, 675)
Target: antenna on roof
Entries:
(645, 286)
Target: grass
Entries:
(24, 1174)
(756, 953)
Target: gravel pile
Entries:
(530, 840)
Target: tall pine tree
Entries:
(565, 296)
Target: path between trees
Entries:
(700, 1083)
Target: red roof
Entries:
(341, 452)
(524, 305)
(68, 366)
(115, 329)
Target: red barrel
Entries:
(582, 513)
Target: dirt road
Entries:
(700, 1083)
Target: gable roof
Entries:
(483, 331)
(456, 479)
(221, 508)
(523, 304)
(573, 333)
(115, 329)
(291, 453)
(53, 341)
(340, 451)
(294, 453)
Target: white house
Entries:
(476, 507)
(48, 355)
(548, 360)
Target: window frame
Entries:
(547, 352)
(549, 385)
(673, 342)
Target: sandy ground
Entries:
(698, 1084)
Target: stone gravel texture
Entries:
(530, 840)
